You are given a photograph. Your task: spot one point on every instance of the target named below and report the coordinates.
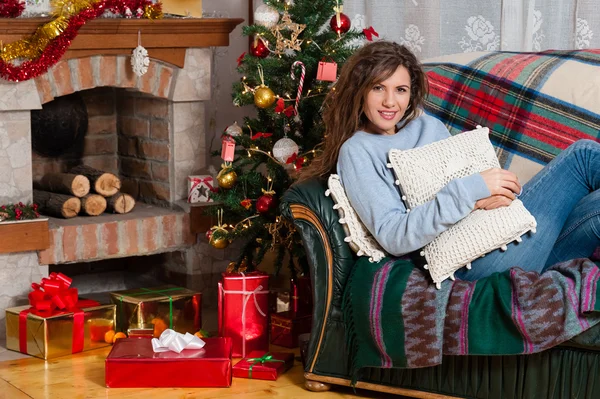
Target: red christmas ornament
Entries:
(343, 26)
(265, 203)
(209, 234)
(258, 48)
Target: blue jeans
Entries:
(565, 201)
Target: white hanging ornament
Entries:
(139, 58)
(233, 130)
(284, 148)
(266, 16)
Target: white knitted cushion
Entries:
(357, 236)
(421, 172)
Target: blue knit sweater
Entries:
(370, 187)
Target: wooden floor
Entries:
(82, 376)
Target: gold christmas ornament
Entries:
(264, 97)
(226, 177)
(218, 240)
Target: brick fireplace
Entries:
(148, 130)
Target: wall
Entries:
(220, 111)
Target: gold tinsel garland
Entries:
(33, 46)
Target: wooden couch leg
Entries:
(316, 386)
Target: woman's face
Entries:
(386, 102)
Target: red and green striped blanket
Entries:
(535, 104)
(397, 318)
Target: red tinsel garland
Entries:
(11, 8)
(58, 46)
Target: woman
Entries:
(377, 106)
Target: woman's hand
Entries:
(501, 182)
(493, 202)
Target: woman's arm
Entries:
(372, 193)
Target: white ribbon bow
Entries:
(173, 341)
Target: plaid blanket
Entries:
(397, 318)
(535, 104)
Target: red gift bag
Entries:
(327, 71)
(244, 311)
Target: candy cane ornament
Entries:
(301, 84)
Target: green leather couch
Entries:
(571, 370)
(466, 90)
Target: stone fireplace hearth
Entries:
(148, 130)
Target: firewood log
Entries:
(103, 183)
(59, 205)
(93, 204)
(120, 203)
(64, 183)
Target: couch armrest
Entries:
(329, 256)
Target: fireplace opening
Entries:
(115, 130)
(120, 131)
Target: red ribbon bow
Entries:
(51, 296)
(296, 160)
(261, 135)
(280, 107)
(53, 293)
(369, 33)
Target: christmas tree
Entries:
(296, 49)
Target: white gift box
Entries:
(200, 187)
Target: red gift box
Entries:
(133, 364)
(327, 71)
(301, 295)
(244, 311)
(287, 326)
(263, 366)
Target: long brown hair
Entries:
(343, 106)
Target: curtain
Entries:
(432, 28)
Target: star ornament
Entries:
(295, 29)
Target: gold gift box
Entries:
(156, 306)
(50, 337)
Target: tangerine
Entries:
(119, 335)
(109, 336)
(159, 326)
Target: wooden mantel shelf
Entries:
(165, 39)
